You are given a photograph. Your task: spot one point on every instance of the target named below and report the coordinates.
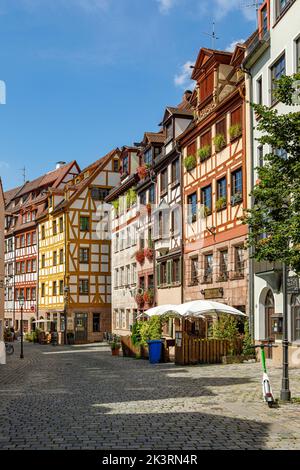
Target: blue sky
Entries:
(85, 76)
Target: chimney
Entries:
(187, 95)
(59, 165)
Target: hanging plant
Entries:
(148, 252)
(140, 256)
(142, 171)
(149, 296)
(139, 298)
(190, 162)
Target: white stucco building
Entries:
(273, 51)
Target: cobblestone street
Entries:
(80, 397)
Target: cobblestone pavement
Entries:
(80, 397)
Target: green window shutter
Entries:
(169, 271)
(158, 275)
(179, 271)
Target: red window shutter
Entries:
(207, 86)
(236, 116)
(205, 139)
(191, 149)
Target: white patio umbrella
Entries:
(160, 310)
(200, 308)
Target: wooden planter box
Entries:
(237, 359)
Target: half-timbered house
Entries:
(22, 210)
(2, 284)
(124, 259)
(215, 182)
(74, 256)
(167, 220)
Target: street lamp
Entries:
(21, 303)
(285, 394)
(66, 298)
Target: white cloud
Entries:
(165, 5)
(231, 46)
(183, 79)
(224, 7)
(4, 164)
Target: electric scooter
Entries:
(266, 386)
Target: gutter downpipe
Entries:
(251, 250)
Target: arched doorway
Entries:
(269, 310)
(295, 314)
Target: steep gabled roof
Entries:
(204, 57)
(11, 194)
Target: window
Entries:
(28, 266)
(54, 258)
(24, 219)
(148, 157)
(205, 139)
(43, 261)
(236, 187)
(127, 275)
(208, 267)
(176, 270)
(10, 244)
(142, 282)
(33, 265)
(34, 238)
(116, 165)
(221, 127)
(236, 117)
(28, 239)
(259, 91)
(206, 199)
(22, 240)
(54, 288)
(61, 256)
(10, 269)
(28, 293)
(264, 20)
(277, 71)
(260, 155)
(125, 164)
(175, 171)
(169, 131)
(134, 273)
(207, 86)
(43, 232)
(83, 286)
(298, 55)
(224, 264)
(192, 207)
(163, 181)
(280, 6)
(194, 271)
(43, 290)
(239, 259)
(18, 268)
(163, 273)
(151, 282)
(191, 149)
(54, 227)
(152, 194)
(23, 267)
(61, 224)
(221, 188)
(61, 287)
(33, 215)
(96, 320)
(84, 255)
(295, 313)
(84, 223)
(143, 199)
(99, 194)
(33, 293)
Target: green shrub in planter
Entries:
(221, 203)
(116, 205)
(235, 131)
(204, 152)
(190, 162)
(220, 142)
(207, 211)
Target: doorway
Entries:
(269, 311)
(81, 328)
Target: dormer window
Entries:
(125, 164)
(169, 131)
(148, 157)
(264, 20)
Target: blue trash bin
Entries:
(155, 349)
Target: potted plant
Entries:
(204, 152)
(226, 328)
(140, 256)
(221, 203)
(149, 296)
(116, 205)
(207, 211)
(236, 198)
(142, 172)
(131, 197)
(115, 346)
(235, 131)
(148, 252)
(190, 162)
(219, 141)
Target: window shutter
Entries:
(156, 226)
(169, 271)
(158, 275)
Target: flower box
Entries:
(204, 152)
(190, 162)
(235, 131)
(220, 142)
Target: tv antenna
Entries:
(213, 36)
(251, 4)
(23, 170)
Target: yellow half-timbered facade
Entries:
(74, 255)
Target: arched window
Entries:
(295, 313)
